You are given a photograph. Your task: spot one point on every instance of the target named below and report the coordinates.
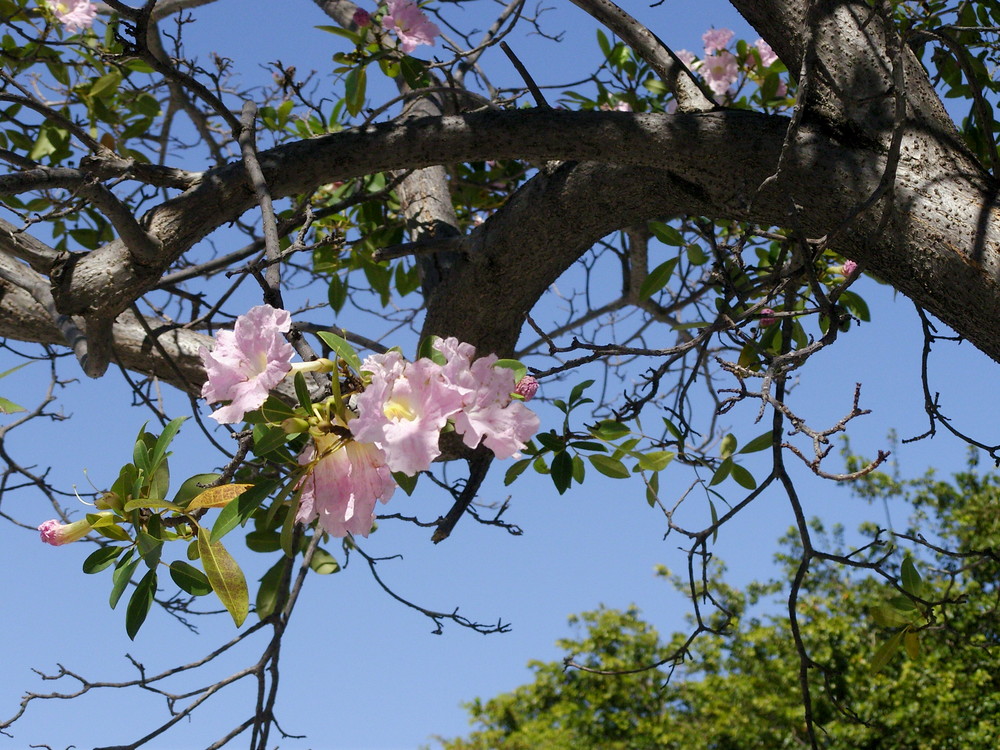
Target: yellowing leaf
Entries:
(225, 576)
(218, 497)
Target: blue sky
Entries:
(360, 671)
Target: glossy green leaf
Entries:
(342, 349)
(743, 477)
(610, 430)
(561, 471)
(355, 86)
(885, 652)
(512, 364)
(657, 279)
(655, 460)
(323, 562)
(139, 603)
(910, 578)
(406, 482)
(192, 487)
(515, 470)
(240, 509)
(609, 467)
(101, 558)
(188, 578)
(267, 593)
(225, 576)
(9, 407)
(121, 576)
(722, 472)
(759, 443)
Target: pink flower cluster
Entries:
(400, 415)
(720, 66)
(74, 15)
(247, 362)
(410, 24)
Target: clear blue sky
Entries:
(360, 671)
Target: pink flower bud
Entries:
(527, 387)
(849, 267)
(55, 533)
(362, 18)
(767, 317)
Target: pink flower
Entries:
(720, 71)
(767, 56)
(345, 480)
(488, 415)
(685, 56)
(74, 15)
(362, 18)
(849, 267)
(247, 362)
(527, 387)
(617, 107)
(404, 409)
(55, 533)
(410, 24)
(715, 40)
(767, 317)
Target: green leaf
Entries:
(188, 578)
(241, 508)
(653, 490)
(14, 369)
(302, 392)
(151, 504)
(885, 652)
(657, 279)
(149, 549)
(164, 440)
(728, 446)
(342, 349)
(515, 470)
(100, 559)
(722, 472)
(406, 482)
(911, 642)
(106, 84)
(610, 430)
(267, 594)
(263, 541)
(139, 603)
(887, 616)
(910, 577)
(655, 460)
(354, 90)
(225, 576)
(9, 407)
(667, 234)
(323, 562)
(743, 477)
(512, 364)
(759, 443)
(609, 467)
(562, 471)
(192, 487)
(122, 575)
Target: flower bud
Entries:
(849, 267)
(56, 533)
(362, 18)
(767, 317)
(527, 387)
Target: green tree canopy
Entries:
(886, 672)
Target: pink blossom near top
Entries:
(247, 362)
(345, 480)
(56, 533)
(74, 15)
(527, 387)
(849, 267)
(410, 24)
(767, 317)
(720, 71)
(767, 56)
(715, 40)
(404, 409)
